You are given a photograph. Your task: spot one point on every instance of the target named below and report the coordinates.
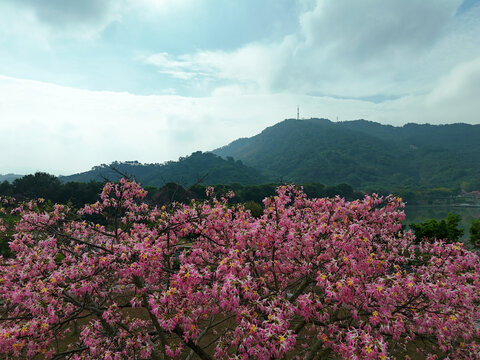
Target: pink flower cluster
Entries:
(311, 278)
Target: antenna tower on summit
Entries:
(298, 112)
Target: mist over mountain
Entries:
(364, 154)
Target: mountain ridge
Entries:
(10, 177)
(206, 168)
(364, 153)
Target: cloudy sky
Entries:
(89, 82)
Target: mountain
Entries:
(9, 177)
(205, 168)
(457, 137)
(364, 154)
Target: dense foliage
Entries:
(312, 278)
(49, 187)
(446, 229)
(365, 154)
(205, 168)
(475, 233)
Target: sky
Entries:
(89, 82)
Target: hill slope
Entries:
(364, 153)
(205, 168)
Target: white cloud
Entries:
(66, 13)
(456, 95)
(184, 67)
(79, 19)
(347, 49)
(59, 18)
(367, 48)
(64, 130)
(248, 65)
(363, 31)
(154, 7)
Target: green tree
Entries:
(255, 208)
(6, 188)
(445, 229)
(475, 232)
(38, 185)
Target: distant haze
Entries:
(90, 82)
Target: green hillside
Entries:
(457, 137)
(205, 168)
(364, 154)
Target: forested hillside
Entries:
(411, 160)
(205, 168)
(365, 154)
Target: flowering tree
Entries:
(311, 278)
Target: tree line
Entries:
(49, 187)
